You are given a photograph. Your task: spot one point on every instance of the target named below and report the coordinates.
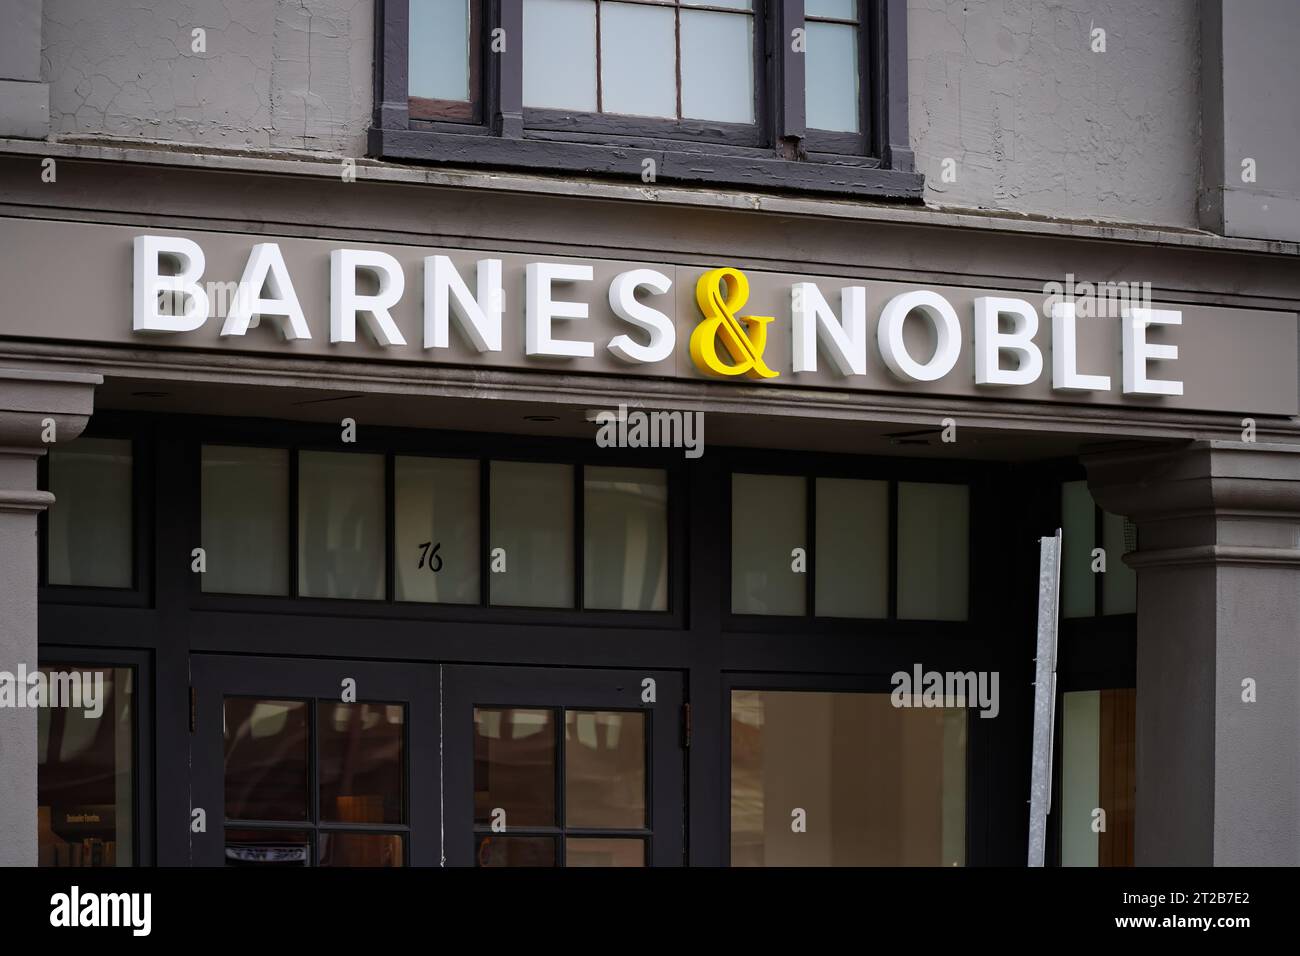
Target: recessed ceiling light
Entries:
(151, 394)
(541, 418)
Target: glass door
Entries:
(313, 763)
(563, 767)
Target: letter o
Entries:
(947, 329)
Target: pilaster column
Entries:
(30, 402)
(1218, 648)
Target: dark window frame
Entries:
(778, 152)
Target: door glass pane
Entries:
(638, 60)
(873, 784)
(85, 760)
(767, 524)
(560, 54)
(589, 851)
(717, 66)
(362, 762)
(268, 847)
(933, 551)
(266, 759)
(360, 849)
(437, 530)
(1078, 531)
(438, 67)
(1098, 761)
(90, 521)
(340, 525)
(498, 850)
(625, 551)
(831, 77)
(852, 575)
(1119, 585)
(245, 520)
(604, 769)
(514, 766)
(532, 534)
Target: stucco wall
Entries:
(275, 73)
(1038, 123)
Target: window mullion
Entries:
(788, 102)
(506, 92)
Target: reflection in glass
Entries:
(933, 551)
(360, 750)
(266, 759)
(604, 769)
(360, 849)
(834, 9)
(625, 526)
(532, 523)
(880, 785)
(767, 524)
(852, 578)
(1098, 770)
(560, 54)
(603, 851)
(438, 68)
(340, 525)
(89, 525)
(245, 520)
(831, 77)
(515, 765)
(1119, 584)
(637, 60)
(436, 525)
(85, 761)
(496, 850)
(717, 66)
(1078, 534)
(268, 847)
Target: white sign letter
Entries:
(1066, 376)
(346, 302)
(625, 304)
(991, 342)
(266, 267)
(947, 332)
(845, 340)
(1137, 351)
(150, 286)
(540, 309)
(479, 318)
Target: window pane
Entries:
(878, 785)
(588, 851)
(831, 77)
(767, 524)
(268, 848)
(360, 849)
(516, 851)
(717, 66)
(1098, 744)
(437, 530)
(1119, 585)
(532, 535)
(90, 520)
(625, 532)
(266, 759)
(852, 573)
(245, 520)
(1078, 531)
(438, 67)
(638, 60)
(340, 525)
(362, 762)
(515, 766)
(604, 769)
(836, 9)
(560, 54)
(731, 4)
(85, 758)
(933, 551)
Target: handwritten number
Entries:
(431, 556)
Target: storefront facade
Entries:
(377, 564)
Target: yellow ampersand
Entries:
(744, 343)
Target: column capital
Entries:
(30, 398)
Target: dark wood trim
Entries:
(887, 33)
(392, 52)
(505, 88)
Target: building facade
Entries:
(578, 432)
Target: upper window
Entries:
(802, 86)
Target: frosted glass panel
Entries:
(436, 524)
(439, 62)
(767, 524)
(245, 520)
(831, 77)
(933, 551)
(560, 54)
(90, 520)
(717, 66)
(638, 58)
(625, 549)
(1119, 586)
(532, 525)
(1080, 723)
(730, 4)
(835, 9)
(340, 525)
(852, 575)
(1078, 529)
